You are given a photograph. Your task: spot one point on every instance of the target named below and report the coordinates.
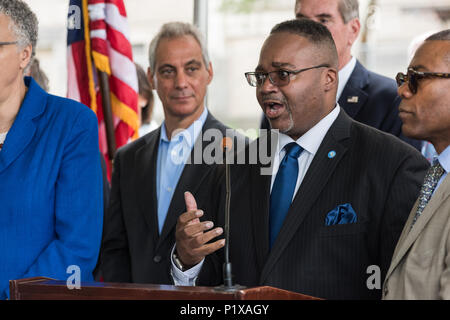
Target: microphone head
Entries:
(227, 144)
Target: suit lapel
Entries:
(145, 179)
(319, 172)
(260, 185)
(24, 127)
(190, 180)
(408, 237)
(353, 96)
(17, 140)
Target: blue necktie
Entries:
(283, 189)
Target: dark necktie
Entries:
(283, 189)
(432, 177)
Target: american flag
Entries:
(98, 38)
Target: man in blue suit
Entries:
(365, 96)
(51, 180)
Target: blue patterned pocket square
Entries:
(342, 214)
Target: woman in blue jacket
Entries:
(50, 176)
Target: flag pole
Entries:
(201, 16)
(104, 88)
(201, 22)
(107, 114)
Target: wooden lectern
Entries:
(41, 288)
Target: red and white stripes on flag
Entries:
(103, 43)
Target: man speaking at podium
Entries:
(338, 195)
(366, 96)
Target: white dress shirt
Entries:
(310, 142)
(344, 75)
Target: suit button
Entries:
(157, 259)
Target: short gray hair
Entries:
(24, 22)
(349, 9)
(173, 30)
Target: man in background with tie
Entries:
(331, 208)
(420, 267)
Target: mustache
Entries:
(182, 95)
(271, 97)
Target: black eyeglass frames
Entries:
(278, 78)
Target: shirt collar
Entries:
(344, 75)
(188, 135)
(444, 159)
(311, 140)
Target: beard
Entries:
(291, 119)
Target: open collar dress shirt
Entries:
(172, 156)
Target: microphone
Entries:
(227, 144)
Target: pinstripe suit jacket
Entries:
(379, 175)
(420, 267)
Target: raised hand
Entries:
(192, 235)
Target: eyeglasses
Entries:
(8, 43)
(413, 77)
(278, 78)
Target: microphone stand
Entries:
(227, 269)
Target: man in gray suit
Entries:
(420, 267)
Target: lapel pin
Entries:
(331, 154)
(353, 99)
